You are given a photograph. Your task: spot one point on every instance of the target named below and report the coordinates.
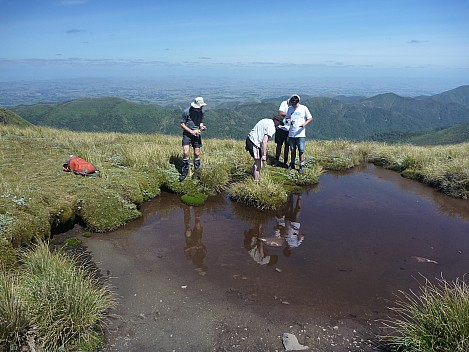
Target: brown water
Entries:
(344, 249)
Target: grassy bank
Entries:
(37, 196)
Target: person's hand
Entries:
(264, 157)
(203, 128)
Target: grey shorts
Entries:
(194, 141)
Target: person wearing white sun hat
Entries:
(192, 124)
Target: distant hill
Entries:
(108, 114)
(458, 95)
(8, 117)
(356, 118)
(451, 135)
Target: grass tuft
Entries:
(64, 304)
(436, 318)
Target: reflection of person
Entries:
(281, 136)
(287, 228)
(194, 248)
(192, 124)
(256, 247)
(256, 142)
(293, 236)
(298, 116)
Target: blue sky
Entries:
(248, 39)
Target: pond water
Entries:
(361, 236)
(344, 247)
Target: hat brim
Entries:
(197, 106)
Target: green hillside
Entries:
(108, 114)
(8, 117)
(354, 119)
(458, 95)
(451, 135)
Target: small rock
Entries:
(290, 342)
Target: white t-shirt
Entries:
(297, 116)
(263, 127)
(284, 108)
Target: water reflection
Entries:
(254, 244)
(194, 248)
(287, 226)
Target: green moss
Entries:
(194, 199)
(87, 234)
(104, 210)
(72, 242)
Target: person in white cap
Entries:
(192, 124)
(298, 116)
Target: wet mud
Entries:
(226, 277)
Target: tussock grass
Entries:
(53, 301)
(435, 318)
(262, 194)
(13, 320)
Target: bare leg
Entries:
(256, 169)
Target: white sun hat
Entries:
(198, 103)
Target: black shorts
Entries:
(254, 150)
(281, 136)
(189, 139)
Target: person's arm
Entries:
(202, 126)
(309, 118)
(187, 129)
(306, 122)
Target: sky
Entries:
(359, 40)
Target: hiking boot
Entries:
(185, 169)
(291, 167)
(197, 168)
(301, 170)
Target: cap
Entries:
(278, 118)
(198, 103)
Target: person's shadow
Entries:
(176, 160)
(194, 248)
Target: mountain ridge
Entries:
(355, 119)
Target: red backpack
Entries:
(79, 166)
